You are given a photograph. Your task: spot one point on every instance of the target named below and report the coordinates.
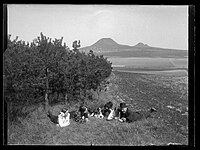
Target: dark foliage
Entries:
(35, 72)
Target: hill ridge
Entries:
(108, 47)
(142, 45)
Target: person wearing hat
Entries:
(127, 115)
(123, 108)
(130, 116)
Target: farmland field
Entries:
(149, 63)
(153, 71)
(166, 92)
(182, 62)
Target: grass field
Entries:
(140, 91)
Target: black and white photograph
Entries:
(96, 75)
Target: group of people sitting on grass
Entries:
(122, 113)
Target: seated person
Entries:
(117, 113)
(107, 109)
(98, 113)
(111, 115)
(64, 118)
(84, 112)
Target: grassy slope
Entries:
(37, 129)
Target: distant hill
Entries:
(108, 47)
(141, 45)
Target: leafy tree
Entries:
(33, 66)
(44, 67)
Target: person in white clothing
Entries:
(111, 115)
(64, 118)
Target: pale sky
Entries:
(158, 26)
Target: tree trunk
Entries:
(66, 99)
(46, 100)
(57, 94)
(98, 93)
(47, 91)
